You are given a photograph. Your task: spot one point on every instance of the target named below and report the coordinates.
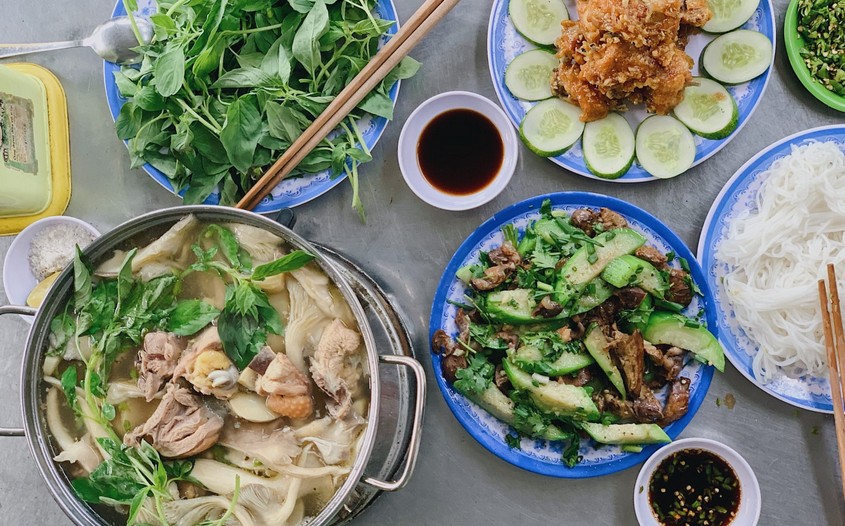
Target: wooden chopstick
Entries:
(420, 23)
(835, 346)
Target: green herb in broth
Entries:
(129, 476)
(247, 315)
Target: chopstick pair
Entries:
(835, 344)
(420, 23)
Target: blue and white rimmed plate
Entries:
(504, 44)
(292, 191)
(737, 197)
(540, 456)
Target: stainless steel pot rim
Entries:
(35, 428)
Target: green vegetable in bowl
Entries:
(821, 23)
(226, 86)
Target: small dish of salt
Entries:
(39, 253)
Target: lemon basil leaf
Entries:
(241, 132)
(294, 260)
(191, 316)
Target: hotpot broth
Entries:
(284, 469)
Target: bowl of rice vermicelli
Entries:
(769, 235)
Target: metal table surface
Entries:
(406, 244)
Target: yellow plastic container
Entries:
(34, 147)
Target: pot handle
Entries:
(416, 428)
(24, 311)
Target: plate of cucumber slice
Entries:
(732, 56)
(562, 375)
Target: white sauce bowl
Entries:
(417, 122)
(18, 280)
(749, 501)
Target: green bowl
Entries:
(794, 44)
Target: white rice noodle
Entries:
(777, 253)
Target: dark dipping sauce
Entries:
(694, 487)
(460, 152)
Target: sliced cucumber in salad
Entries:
(551, 127)
(708, 110)
(608, 145)
(665, 147)
(729, 14)
(538, 20)
(528, 76)
(737, 57)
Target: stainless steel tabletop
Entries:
(406, 244)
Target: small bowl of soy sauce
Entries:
(697, 482)
(458, 150)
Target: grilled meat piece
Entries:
(506, 254)
(652, 255)
(580, 380)
(450, 365)
(609, 402)
(547, 308)
(647, 407)
(630, 297)
(677, 403)
(442, 343)
(604, 315)
(585, 219)
(628, 353)
(493, 277)
(511, 338)
(611, 220)
(500, 378)
(679, 287)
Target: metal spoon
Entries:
(112, 40)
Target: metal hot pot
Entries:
(390, 444)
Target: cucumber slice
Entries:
(528, 76)
(708, 110)
(511, 306)
(737, 57)
(553, 397)
(630, 270)
(729, 14)
(530, 359)
(595, 293)
(680, 331)
(596, 345)
(551, 127)
(579, 270)
(500, 406)
(665, 147)
(626, 433)
(608, 146)
(538, 20)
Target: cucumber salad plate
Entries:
(733, 58)
(564, 370)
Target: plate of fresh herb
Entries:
(572, 334)
(227, 85)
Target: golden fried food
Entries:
(627, 51)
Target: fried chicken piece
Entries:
(643, 23)
(626, 51)
(696, 13)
